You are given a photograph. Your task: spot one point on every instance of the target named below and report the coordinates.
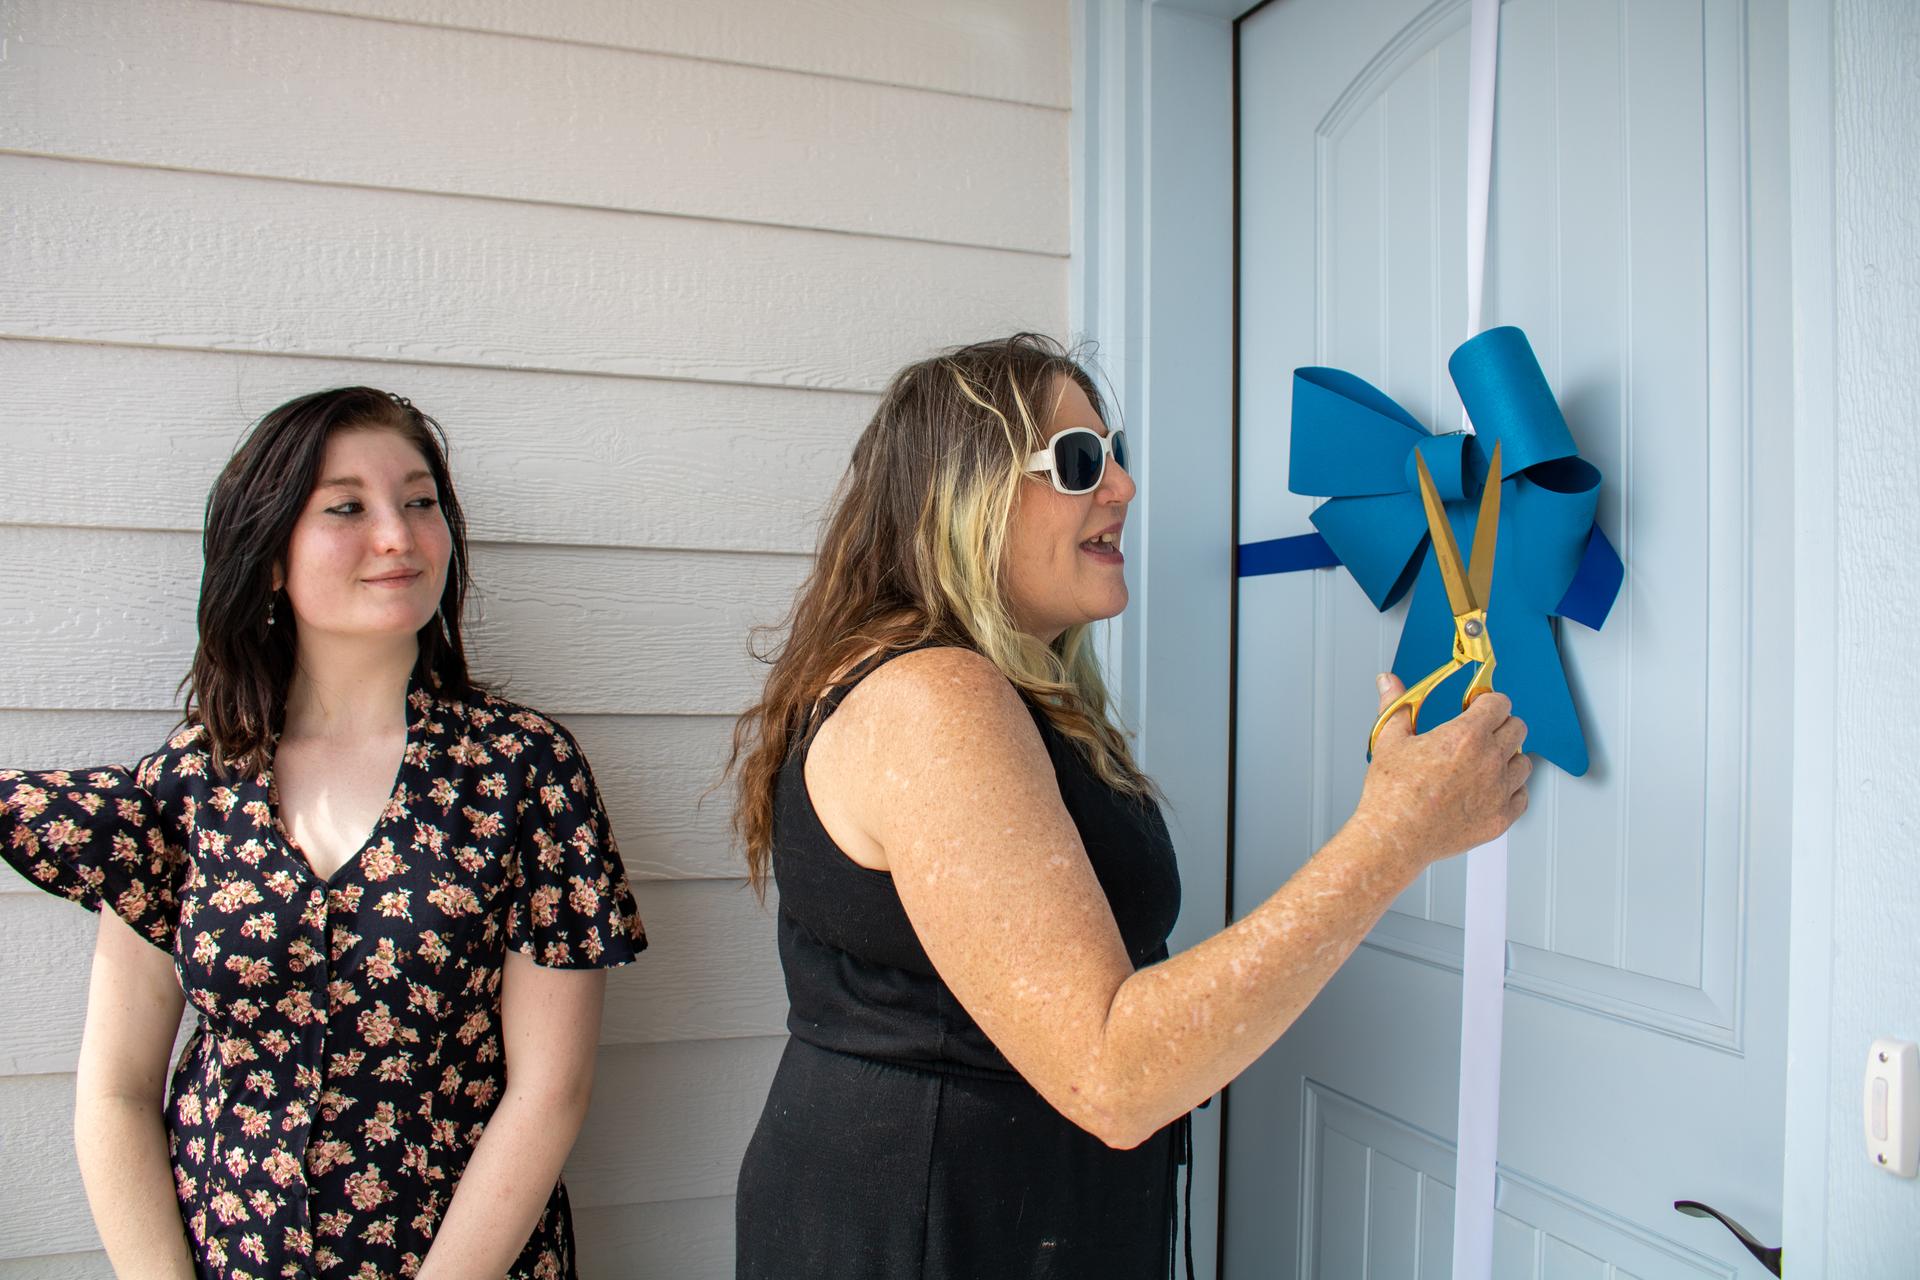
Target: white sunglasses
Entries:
(1076, 459)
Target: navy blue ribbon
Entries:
(1285, 555)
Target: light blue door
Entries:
(1638, 236)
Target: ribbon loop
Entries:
(1349, 437)
(1507, 397)
(1556, 510)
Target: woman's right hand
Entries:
(1435, 794)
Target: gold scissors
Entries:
(1467, 592)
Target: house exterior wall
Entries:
(1872, 1219)
(649, 262)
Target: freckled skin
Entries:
(932, 769)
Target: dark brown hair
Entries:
(911, 554)
(242, 667)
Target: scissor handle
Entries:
(1482, 683)
(1411, 700)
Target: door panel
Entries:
(1644, 1058)
(1400, 1181)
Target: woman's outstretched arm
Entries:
(934, 764)
(133, 1011)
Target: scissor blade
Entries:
(1445, 550)
(1485, 534)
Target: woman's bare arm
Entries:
(133, 1012)
(551, 1026)
(934, 763)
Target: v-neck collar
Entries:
(419, 713)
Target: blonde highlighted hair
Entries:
(913, 554)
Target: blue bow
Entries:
(1355, 446)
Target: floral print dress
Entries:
(348, 1053)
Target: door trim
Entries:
(1810, 52)
(1151, 283)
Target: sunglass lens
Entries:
(1076, 460)
(1120, 457)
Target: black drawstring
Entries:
(1186, 1158)
(1178, 1220)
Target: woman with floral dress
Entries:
(389, 897)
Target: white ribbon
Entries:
(1483, 975)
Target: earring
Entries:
(270, 603)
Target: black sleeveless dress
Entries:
(897, 1143)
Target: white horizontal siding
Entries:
(670, 1121)
(330, 99)
(548, 458)
(1011, 49)
(158, 258)
(665, 1238)
(649, 261)
(91, 1265)
(46, 1205)
(578, 629)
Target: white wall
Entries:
(1872, 1219)
(648, 260)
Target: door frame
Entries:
(1151, 285)
(1151, 282)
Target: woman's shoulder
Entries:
(505, 726)
(186, 758)
(934, 670)
(935, 688)
(928, 677)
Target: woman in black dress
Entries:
(389, 896)
(991, 1051)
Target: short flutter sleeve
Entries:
(570, 906)
(96, 836)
